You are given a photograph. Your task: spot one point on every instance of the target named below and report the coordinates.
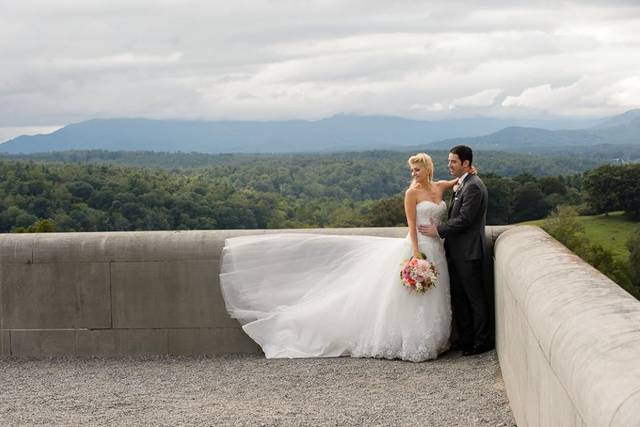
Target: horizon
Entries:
(9, 133)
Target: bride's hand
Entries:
(455, 184)
(417, 255)
(473, 171)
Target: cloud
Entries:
(118, 60)
(540, 97)
(625, 93)
(583, 97)
(260, 59)
(436, 107)
(484, 98)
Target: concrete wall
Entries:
(121, 293)
(124, 293)
(568, 338)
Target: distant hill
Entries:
(337, 133)
(522, 138)
(619, 132)
(626, 118)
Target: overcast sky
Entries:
(66, 61)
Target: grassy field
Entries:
(611, 231)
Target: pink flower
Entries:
(418, 274)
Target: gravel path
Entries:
(250, 390)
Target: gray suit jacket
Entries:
(464, 230)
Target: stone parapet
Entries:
(122, 293)
(568, 338)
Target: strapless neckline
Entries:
(432, 202)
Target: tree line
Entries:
(500, 163)
(280, 192)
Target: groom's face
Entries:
(455, 165)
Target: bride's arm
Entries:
(445, 185)
(410, 212)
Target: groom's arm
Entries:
(471, 204)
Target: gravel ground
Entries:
(250, 390)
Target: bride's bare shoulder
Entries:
(412, 191)
(414, 188)
(444, 184)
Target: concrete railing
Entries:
(124, 293)
(120, 293)
(567, 337)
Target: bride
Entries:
(309, 295)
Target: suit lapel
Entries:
(451, 202)
(458, 194)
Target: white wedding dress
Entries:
(309, 295)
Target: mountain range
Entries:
(622, 130)
(337, 133)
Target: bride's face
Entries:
(418, 172)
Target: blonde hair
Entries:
(425, 161)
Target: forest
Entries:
(500, 163)
(94, 191)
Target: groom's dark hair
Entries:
(463, 152)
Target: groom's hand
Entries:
(428, 230)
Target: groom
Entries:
(464, 244)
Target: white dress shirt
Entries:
(461, 179)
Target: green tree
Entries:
(525, 178)
(24, 220)
(629, 190)
(563, 225)
(40, 226)
(41, 207)
(552, 185)
(529, 203)
(501, 199)
(387, 212)
(603, 186)
(633, 244)
(80, 189)
(8, 218)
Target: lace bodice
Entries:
(427, 211)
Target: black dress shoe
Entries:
(457, 346)
(477, 349)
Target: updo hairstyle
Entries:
(425, 161)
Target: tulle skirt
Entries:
(304, 295)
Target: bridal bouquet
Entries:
(418, 274)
